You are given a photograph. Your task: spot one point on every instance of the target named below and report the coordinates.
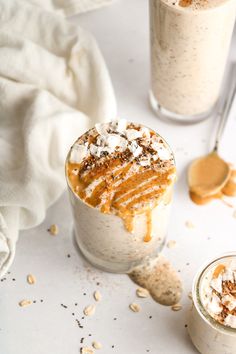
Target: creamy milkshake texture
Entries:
(189, 46)
(120, 178)
(212, 324)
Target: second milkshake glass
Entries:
(189, 46)
(208, 335)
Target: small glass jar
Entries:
(208, 335)
(189, 47)
(105, 241)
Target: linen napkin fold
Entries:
(71, 7)
(53, 86)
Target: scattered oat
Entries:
(31, 279)
(176, 307)
(142, 292)
(24, 303)
(53, 229)
(97, 295)
(89, 310)
(190, 296)
(171, 244)
(135, 307)
(234, 213)
(86, 350)
(189, 224)
(97, 345)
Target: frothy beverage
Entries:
(120, 178)
(212, 323)
(189, 45)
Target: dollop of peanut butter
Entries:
(210, 178)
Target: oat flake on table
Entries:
(24, 303)
(97, 295)
(31, 279)
(141, 292)
(89, 310)
(135, 307)
(53, 230)
(96, 345)
(176, 307)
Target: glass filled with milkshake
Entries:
(120, 177)
(190, 42)
(212, 320)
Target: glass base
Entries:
(172, 117)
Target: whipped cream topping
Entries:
(218, 293)
(119, 136)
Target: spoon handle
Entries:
(227, 104)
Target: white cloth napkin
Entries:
(71, 7)
(53, 86)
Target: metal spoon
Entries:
(208, 175)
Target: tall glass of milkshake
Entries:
(120, 177)
(190, 41)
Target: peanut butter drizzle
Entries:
(107, 186)
(114, 196)
(185, 3)
(133, 181)
(142, 199)
(131, 184)
(219, 269)
(133, 192)
(148, 235)
(98, 171)
(95, 198)
(128, 222)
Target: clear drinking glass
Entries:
(208, 335)
(106, 243)
(189, 43)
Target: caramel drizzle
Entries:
(112, 195)
(128, 222)
(148, 235)
(99, 171)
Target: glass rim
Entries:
(197, 298)
(184, 10)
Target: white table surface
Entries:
(46, 326)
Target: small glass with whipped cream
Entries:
(189, 42)
(120, 177)
(212, 320)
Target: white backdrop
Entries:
(47, 327)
